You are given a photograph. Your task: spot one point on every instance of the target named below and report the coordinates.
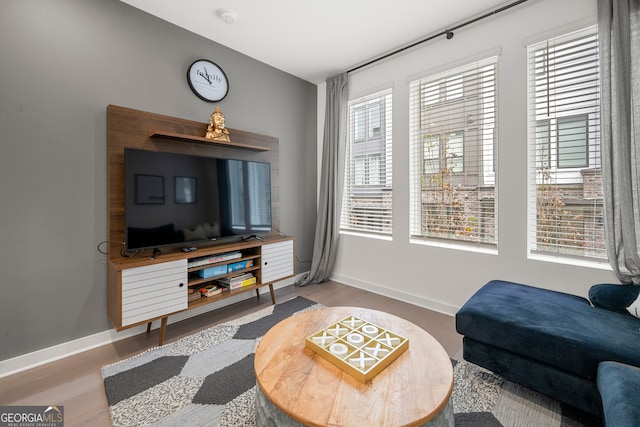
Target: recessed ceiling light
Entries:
(228, 16)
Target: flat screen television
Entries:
(181, 199)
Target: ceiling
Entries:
(314, 40)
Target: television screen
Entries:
(179, 199)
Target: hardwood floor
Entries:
(76, 381)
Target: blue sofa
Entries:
(556, 344)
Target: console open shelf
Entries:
(232, 292)
(197, 281)
(192, 138)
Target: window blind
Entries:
(453, 132)
(565, 193)
(367, 200)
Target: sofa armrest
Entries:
(619, 387)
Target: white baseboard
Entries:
(69, 348)
(427, 303)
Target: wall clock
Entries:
(207, 80)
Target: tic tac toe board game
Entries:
(358, 347)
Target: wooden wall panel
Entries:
(129, 128)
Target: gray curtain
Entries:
(327, 222)
(619, 38)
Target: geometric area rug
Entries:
(204, 379)
(208, 379)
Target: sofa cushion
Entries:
(554, 328)
(614, 297)
(619, 387)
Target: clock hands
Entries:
(205, 75)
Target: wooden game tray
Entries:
(358, 347)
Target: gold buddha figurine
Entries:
(216, 130)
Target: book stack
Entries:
(238, 281)
(212, 289)
(194, 295)
(197, 262)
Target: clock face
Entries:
(207, 80)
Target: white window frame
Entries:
(367, 195)
(563, 84)
(473, 154)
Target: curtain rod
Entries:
(448, 32)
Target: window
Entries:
(366, 205)
(565, 196)
(453, 154)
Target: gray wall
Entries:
(62, 62)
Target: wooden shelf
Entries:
(197, 281)
(225, 262)
(223, 295)
(201, 140)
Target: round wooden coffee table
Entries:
(298, 387)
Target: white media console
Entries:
(141, 289)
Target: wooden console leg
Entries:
(163, 329)
(149, 326)
(258, 293)
(273, 296)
